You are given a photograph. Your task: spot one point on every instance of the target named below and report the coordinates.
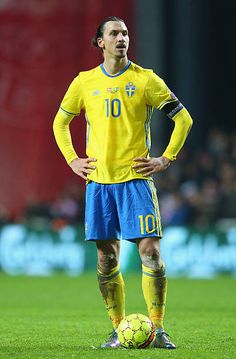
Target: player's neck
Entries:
(114, 66)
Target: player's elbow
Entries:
(184, 119)
(188, 122)
(59, 123)
(55, 124)
(55, 128)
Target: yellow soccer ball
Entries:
(136, 331)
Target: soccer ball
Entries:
(136, 331)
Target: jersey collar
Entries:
(119, 73)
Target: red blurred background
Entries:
(44, 44)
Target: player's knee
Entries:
(151, 258)
(153, 262)
(107, 262)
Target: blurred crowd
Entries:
(198, 189)
(67, 208)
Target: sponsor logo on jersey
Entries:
(130, 89)
(112, 90)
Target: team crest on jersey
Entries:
(130, 89)
(112, 89)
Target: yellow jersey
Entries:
(118, 111)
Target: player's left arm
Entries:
(183, 123)
(158, 95)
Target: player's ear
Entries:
(100, 42)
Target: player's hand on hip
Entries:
(148, 166)
(82, 166)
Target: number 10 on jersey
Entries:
(113, 107)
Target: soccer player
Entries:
(118, 98)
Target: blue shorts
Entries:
(126, 210)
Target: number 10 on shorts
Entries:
(147, 223)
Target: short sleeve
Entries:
(72, 102)
(156, 91)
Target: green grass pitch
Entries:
(64, 317)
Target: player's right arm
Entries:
(81, 166)
(70, 107)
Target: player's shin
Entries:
(113, 292)
(154, 284)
